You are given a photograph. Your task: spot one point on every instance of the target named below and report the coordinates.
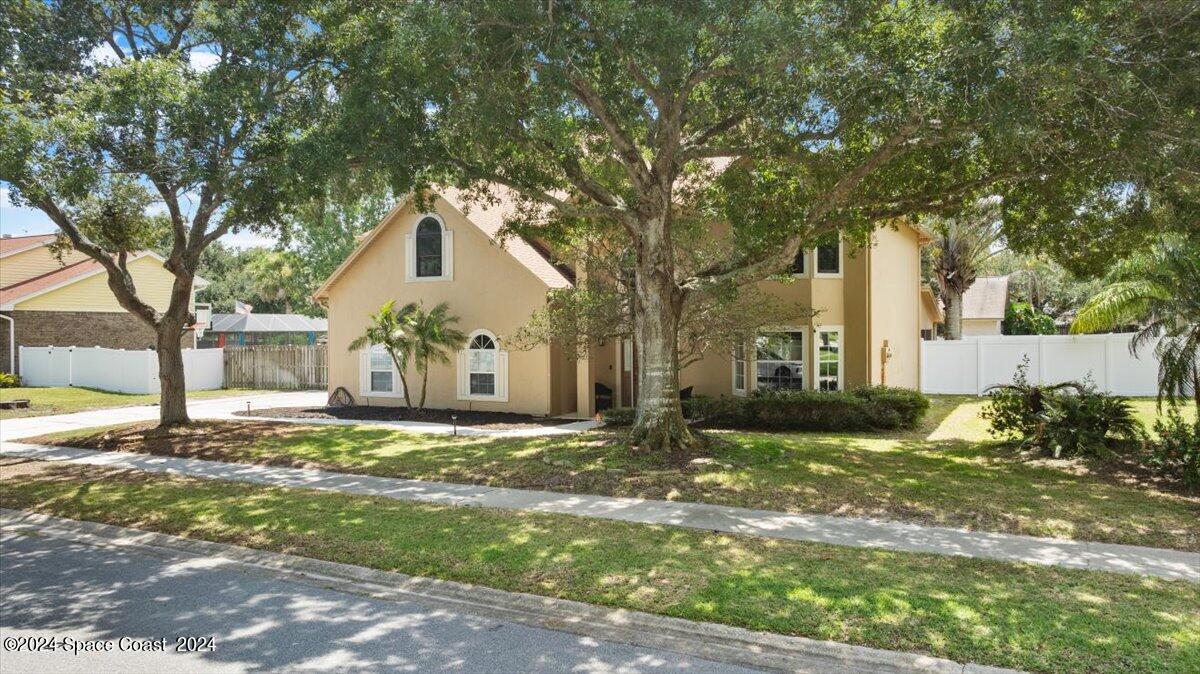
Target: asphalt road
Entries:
(53, 588)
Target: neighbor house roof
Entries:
(63, 276)
(489, 218)
(931, 301)
(17, 244)
(267, 323)
(986, 298)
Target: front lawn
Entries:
(939, 474)
(1013, 615)
(64, 399)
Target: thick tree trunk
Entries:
(658, 305)
(172, 406)
(954, 309)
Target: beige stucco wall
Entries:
(30, 263)
(489, 290)
(153, 285)
(980, 327)
(896, 305)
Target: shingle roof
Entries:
(490, 218)
(986, 298)
(267, 323)
(16, 291)
(11, 244)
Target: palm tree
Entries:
(961, 245)
(433, 338)
(392, 330)
(276, 277)
(1158, 289)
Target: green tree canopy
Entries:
(189, 106)
(635, 122)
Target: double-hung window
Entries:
(829, 260)
(379, 375)
(779, 360)
(483, 369)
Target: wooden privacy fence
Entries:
(276, 367)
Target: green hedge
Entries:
(870, 408)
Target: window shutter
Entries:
(448, 254)
(464, 379)
(502, 376)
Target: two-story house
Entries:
(866, 328)
(45, 301)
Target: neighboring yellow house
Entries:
(866, 330)
(48, 302)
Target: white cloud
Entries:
(103, 54)
(203, 60)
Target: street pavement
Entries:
(259, 622)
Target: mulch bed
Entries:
(474, 419)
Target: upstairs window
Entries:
(430, 251)
(829, 260)
(429, 248)
(799, 264)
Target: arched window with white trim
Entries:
(483, 369)
(430, 250)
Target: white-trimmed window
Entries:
(828, 261)
(739, 369)
(379, 377)
(800, 263)
(827, 351)
(483, 369)
(429, 250)
(779, 360)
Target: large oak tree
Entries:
(791, 120)
(127, 123)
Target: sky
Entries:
(16, 221)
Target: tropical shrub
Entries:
(618, 416)
(9, 380)
(1020, 318)
(1067, 419)
(1176, 451)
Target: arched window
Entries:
(430, 253)
(429, 248)
(481, 364)
(483, 369)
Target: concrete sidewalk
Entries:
(854, 532)
(224, 409)
(272, 611)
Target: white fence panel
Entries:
(972, 365)
(116, 370)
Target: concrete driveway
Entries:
(56, 588)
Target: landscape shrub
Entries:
(1176, 451)
(9, 380)
(1067, 419)
(870, 408)
(618, 416)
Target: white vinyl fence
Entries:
(115, 369)
(973, 364)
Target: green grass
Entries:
(1013, 615)
(64, 399)
(939, 474)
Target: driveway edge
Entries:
(723, 643)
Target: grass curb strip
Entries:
(715, 642)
